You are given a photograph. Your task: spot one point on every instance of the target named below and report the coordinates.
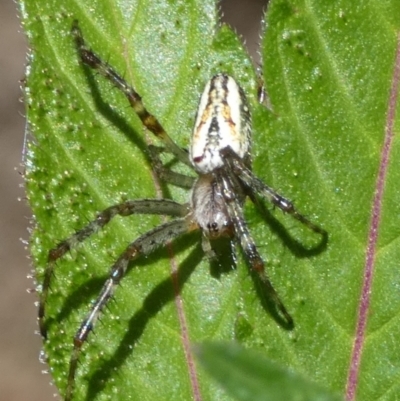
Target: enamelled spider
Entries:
(220, 155)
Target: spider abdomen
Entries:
(223, 119)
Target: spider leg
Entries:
(165, 173)
(92, 60)
(229, 187)
(142, 206)
(144, 245)
(262, 94)
(255, 185)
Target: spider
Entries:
(220, 155)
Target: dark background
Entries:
(21, 375)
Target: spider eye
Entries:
(213, 226)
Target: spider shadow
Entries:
(112, 116)
(225, 257)
(226, 261)
(268, 303)
(296, 247)
(161, 295)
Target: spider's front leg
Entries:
(144, 245)
(142, 206)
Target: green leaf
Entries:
(88, 151)
(328, 69)
(249, 377)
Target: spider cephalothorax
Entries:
(219, 154)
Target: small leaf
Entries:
(248, 376)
